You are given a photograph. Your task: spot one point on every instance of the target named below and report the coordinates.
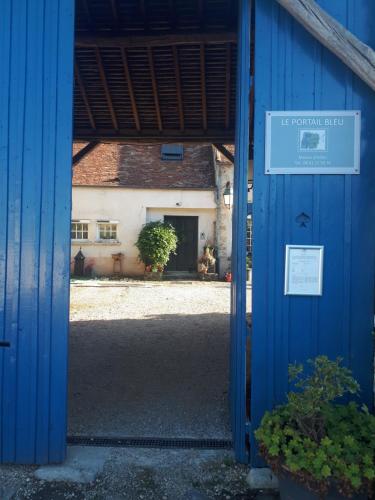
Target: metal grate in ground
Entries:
(151, 442)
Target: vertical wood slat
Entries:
(238, 325)
(36, 47)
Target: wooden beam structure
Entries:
(112, 39)
(224, 151)
(84, 152)
(82, 89)
(151, 136)
(358, 56)
(130, 89)
(178, 87)
(203, 85)
(227, 85)
(154, 88)
(106, 89)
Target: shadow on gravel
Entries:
(162, 376)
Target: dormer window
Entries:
(172, 152)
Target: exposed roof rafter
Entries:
(203, 85)
(224, 151)
(84, 152)
(106, 89)
(130, 89)
(112, 39)
(178, 87)
(84, 94)
(154, 88)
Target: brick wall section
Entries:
(140, 166)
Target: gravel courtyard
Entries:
(149, 359)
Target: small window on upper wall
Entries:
(107, 230)
(79, 230)
(172, 152)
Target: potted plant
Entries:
(317, 447)
(156, 242)
(206, 261)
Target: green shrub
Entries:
(316, 440)
(156, 242)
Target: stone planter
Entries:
(153, 275)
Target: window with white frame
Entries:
(79, 230)
(107, 230)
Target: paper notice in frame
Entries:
(303, 270)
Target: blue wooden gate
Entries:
(36, 54)
(238, 295)
(294, 72)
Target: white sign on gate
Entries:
(303, 270)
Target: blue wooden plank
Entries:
(36, 83)
(61, 239)
(304, 75)
(4, 125)
(238, 295)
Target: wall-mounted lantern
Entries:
(228, 195)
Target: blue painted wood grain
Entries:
(36, 50)
(238, 289)
(294, 72)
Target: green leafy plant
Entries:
(156, 242)
(319, 442)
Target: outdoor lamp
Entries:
(228, 195)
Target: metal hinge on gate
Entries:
(4, 343)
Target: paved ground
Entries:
(131, 474)
(146, 359)
(149, 359)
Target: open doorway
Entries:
(149, 357)
(144, 77)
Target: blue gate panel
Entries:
(238, 290)
(294, 72)
(36, 53)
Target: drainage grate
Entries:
(152, 442)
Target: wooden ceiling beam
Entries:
(178, 87)
(130, 89)
(106, 88)
(227, 84)
(358, 56)
(112, 39)
(203, 85)
(223, 150)
(154, 88)
(219, 136)
(82, 89)
(84, 152)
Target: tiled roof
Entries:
(140, 166)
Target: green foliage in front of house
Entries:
(156, 242)
(317, 441)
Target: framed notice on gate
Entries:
(312, 142)
(303, 270)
